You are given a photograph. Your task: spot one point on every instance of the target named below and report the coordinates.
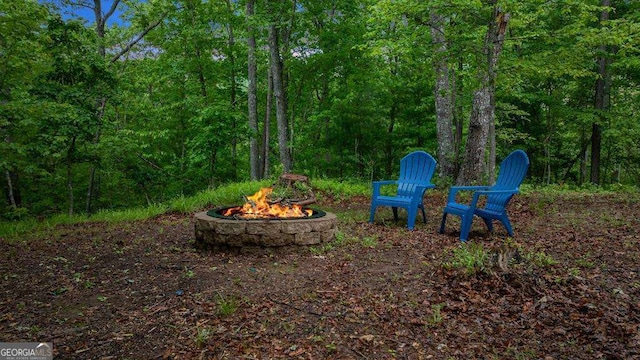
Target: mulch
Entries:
(567, 286)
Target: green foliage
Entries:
(202, 336)
(470, 257)
(132, 214)
(227, 305)
(228, 194)
(360, 96)
(540, 259)
(341, 189)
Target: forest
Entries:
(141, 102)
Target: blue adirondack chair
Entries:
(512, 171)
(416, 170)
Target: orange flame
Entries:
(257, 206)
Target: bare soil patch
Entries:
(140, 290)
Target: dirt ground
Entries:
(567, 286)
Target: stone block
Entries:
(230, 227)
(310, 238)
(267, 228)
(295, 227)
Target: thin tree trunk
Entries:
(70, 152)
(458, 116)
(266, 132)
(601, 104)
(12, 199)
(232, 74)
(252, 93)
(389, 143)
(583, 158)
(281, 100)
(92, 170)
(101, 21)
(443, 93)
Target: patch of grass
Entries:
(369, 241)
(574, 272)
(585, 261)
(140, 213)
(540, 259)
(202, 336)
(351, 216)
(227, 306)
(227, 194)
(436, 314)
(470, 257)
(341, 240)
(341, 189)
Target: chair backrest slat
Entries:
(513, 169)
(417, 168)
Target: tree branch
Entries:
(114, 5)
(137, 39)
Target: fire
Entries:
(257, 206)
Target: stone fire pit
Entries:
(214, 230)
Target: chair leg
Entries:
(395, 213)
(507, 224)
(372, 213)
(424, 216)
(465, 227)
(444, 220)
(411, 220)
(489, 223)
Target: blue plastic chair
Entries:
(416, 170)
(512, 171)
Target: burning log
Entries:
(257, 206)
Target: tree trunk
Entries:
(389, 161)
(252, 93)
(473, 161)
(12, 199)
(458, 116)
(101, 21)
(483, 108)
(603, 84)
(70, 153)
(281, 100)
(443, 93)
(232, 75)
(266, 132)
(491, 161)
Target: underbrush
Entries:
(228, 194)
(234, 193)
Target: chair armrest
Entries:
(479, 193)
(378, 184)
(420, 189)
(455, 189)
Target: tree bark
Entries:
(443, 93)
(266, 132)
(70, 153)
(12, 199)
(281, 99)
(252, 93)
(483, 108)
(232, 74)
